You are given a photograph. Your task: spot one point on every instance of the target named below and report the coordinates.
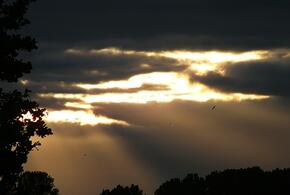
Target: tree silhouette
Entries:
(191, 184)
(20, 117)
(12, 43)
(250, 181)
(120, 190)
(36, 183)
(16, 131)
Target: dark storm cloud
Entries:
(54, 65)
(199, 24)
(261, 77)
(52, 103)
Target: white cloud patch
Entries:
(80, 117)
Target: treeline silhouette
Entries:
(249, 181)
(120, 190)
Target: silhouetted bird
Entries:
(213, 107)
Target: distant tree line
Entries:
(249, 181)
(120, 190)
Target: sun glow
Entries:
(215, 56)
(205, 56)
(78, 105)
(179, 88)
(80, 117)
(157, 78)
(203, 62)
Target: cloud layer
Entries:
(174, 24)
(259, 77)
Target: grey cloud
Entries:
(54, 65)
(259, 77)
(63, 87)
(164, 24)
(55, 71)
(53, 103)
(59, 103)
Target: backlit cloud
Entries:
(80, 117)
(200, 62)
(144, 82)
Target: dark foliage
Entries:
(16, 130)
(191, 184)
(36, 183)
(250, 181)
(11, 41)
(20, 118)
(120, 190)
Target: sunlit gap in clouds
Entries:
(199, 62)
(81, 117)
(179, 88)
(177, 85)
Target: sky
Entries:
(144, 91)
